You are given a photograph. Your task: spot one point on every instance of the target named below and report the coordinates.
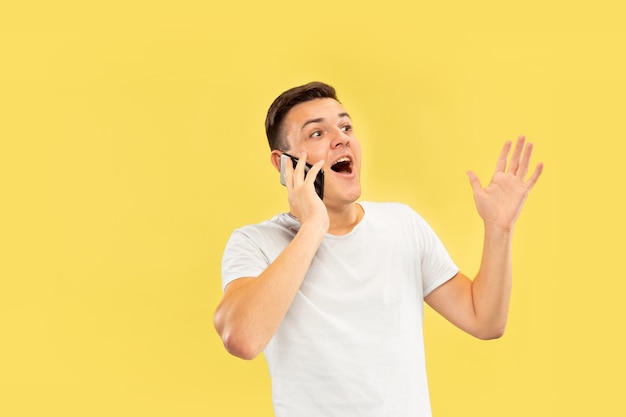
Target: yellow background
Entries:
(132, 144)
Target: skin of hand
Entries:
(500, 203)
(480, 306)
(253, 307)
(304, 203)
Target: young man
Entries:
(333, 291)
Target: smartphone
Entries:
(319, 180)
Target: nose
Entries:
(340, 139)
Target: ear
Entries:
(275, 159)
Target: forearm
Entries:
(481, 306)
(491, 288)
(251, 312)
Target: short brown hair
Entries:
(285, 102)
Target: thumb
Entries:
(474, 181)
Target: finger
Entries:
(299, 171)
(312, 174)
(523, 168)
(535, 176)
(517, 153)
(501, 164)
(474, 181)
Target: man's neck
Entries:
(343, 220)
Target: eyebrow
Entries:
(320, 119)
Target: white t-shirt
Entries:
(351, 343)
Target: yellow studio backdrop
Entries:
(132, 144)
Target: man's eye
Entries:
(316, 134)
(346, 128)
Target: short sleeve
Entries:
(242, 258)
(436, 263)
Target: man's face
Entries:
(323, 129)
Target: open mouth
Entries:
(342, 165)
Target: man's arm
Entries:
(480, 307)
(252, 309)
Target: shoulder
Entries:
(279, 227)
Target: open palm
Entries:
(500, 203)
